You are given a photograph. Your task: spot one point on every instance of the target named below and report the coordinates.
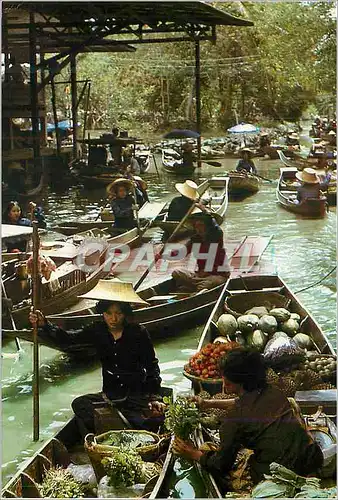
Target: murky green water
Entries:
(302, 251)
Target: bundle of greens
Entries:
(181, 417)
(59, 483)
(123, 468)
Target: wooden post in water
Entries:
(55, 116)
(86, 112)
(36, 297)
(73, 84)
(198, 99)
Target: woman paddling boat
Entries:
(246, 164)
(261, 419)
(130, 371)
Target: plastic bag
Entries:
(83, 473)
(281, 351)
(106, 491)
(270, 489)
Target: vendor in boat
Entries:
(246, 164)
(131, 164)
(188, 156)
(13, 215)
(180, 205)
(123, 204)
(208, 246)
(260, 419)
(264, 140)
(310, 185)
(292, 139)
(130, 369)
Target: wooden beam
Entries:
(198, 99)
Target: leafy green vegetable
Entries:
(59, 483)
(181, 417)
(123, 468)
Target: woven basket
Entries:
(211, 385)
(237, 305)
(97, 451)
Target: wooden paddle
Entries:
(155, 163)
(178, 227)
(136, 210)
(213, 163)
(263, 178)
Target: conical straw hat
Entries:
(308, 175)
(198, 212)
(119, 182)
(187, 189)
(114, 291)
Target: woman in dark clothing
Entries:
(260, 419)
(13, 216)
(123, 205)
(130, 371)
(310, 187)
(246, 164)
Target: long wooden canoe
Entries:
(243, 184)
(216, 191)
(287, 187)
(173, 166)
(66, 446)
(260, 289)
(295, 161)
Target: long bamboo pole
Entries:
(198, 99)
(36, 297)
(74, 101)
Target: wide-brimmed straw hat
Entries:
(308, 175)
(198, 213)
(293, 135)
(264, 133)
(115, 291)
(246, 150)
(187, 189)
(112, 187)
(332, 132)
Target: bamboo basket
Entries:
(97, 451)
(211, 385)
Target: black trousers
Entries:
(134, 409)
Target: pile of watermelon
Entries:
(204, 364)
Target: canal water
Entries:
(303, 251)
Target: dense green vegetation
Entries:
(272, 71)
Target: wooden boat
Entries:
(168, 309)
(287, 186)
(215, 190)
(294, 161)
(169, 162)
(238, 294)
(146, 213)
(243, 184)
(72, 280)
(31, 193)
(67, 447)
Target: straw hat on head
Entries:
(264, 134)
(187, 189)
(112, 187)
(246, 150)
(332, 132)
(308, 176)
(198, 213)
(293, 135)
(115, 291)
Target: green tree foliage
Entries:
(273, 70)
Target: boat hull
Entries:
(243, 185)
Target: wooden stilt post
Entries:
(55, 116)
(73, 85)
(36, 300)
(86, 112)
(34, 90)
(198, 98)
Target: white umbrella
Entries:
(243, 128)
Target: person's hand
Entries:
(157, 406)
(186, 450)
(36, 318)
(199, 402)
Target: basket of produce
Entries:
(258, 303)
(146, 444)
(325, 365)
(203, 369)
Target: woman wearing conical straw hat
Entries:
(310, 185)
(130, 370)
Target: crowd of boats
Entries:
(79, 256)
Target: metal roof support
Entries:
(34, 92)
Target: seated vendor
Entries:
(180, 205)
(208, 247)
(246, 163)
(123, 204)
(130, 370)
(260, 419)
(292, 139)
(188, 156)
(310, 185)
(13, 215)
